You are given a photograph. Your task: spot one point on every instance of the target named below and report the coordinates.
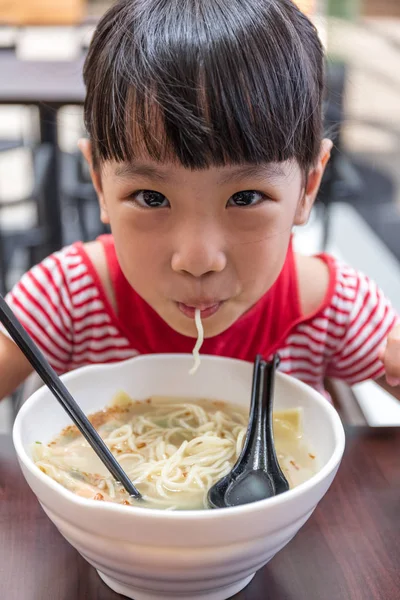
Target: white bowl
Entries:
(150, 554)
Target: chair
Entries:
(78, 192)
(33, 239)
(341, 180)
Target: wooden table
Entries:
(348, 550)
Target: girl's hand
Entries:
(389, 354)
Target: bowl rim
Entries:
(186, 515)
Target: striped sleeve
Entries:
(42, 303)
(368, 319)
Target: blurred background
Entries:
(47, 200)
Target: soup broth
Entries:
(173, 450)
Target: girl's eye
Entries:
(246, 198)
(150, 199)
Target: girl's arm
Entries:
(41, 302)
(14, 367)
(361, 321)
(390, 356)
(393, 390)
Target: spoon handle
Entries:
(272, 463)
(268, 425)
(261, 442)
(259, 447)
(253, 453)
(58, 389)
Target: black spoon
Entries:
(257, 474)
(58, 389)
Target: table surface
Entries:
(348, 550)
(32, 82)
(54, 82)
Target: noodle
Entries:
(199, 342)
(173, 451)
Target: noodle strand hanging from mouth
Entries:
(199, 342)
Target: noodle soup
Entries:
(173, 450)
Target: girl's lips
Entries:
(206, 311)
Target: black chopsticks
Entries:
(58, 389)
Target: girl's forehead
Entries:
(165, 172)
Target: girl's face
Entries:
(212, 239)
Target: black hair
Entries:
(205, 82)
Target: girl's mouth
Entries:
(205, 310)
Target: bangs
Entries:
(205, 83)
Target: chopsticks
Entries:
(58, 389)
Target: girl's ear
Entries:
(313, 184)
(85, 147)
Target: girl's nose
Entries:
(198, 253)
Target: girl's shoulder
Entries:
(83, 260)
(349, 322)
(96, 253)
(325, 281)
(314, 280)
(78, 262)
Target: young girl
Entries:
(205, 147)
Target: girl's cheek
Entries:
(256, 225)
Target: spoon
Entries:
(58, 389)
(256, 474)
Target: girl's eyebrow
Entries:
(270, 171)
(131, 169)
(261, 172)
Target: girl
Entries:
(205, 147)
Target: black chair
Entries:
(31, 240)
(341, 181)
(79, 194)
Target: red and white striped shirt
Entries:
(63, 306)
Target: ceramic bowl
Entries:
(150, 554)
